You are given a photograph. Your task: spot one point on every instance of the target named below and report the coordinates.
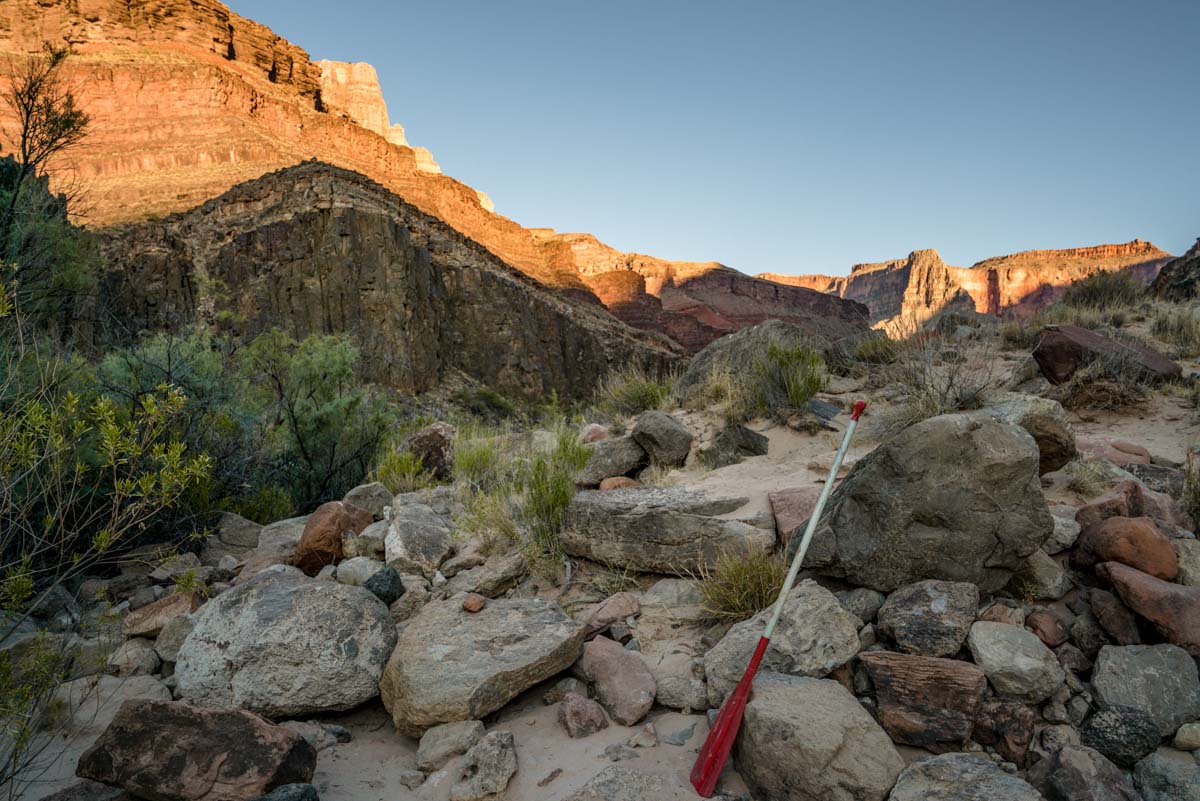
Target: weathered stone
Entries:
(1167, 776)
(354, 571)
(616, 607)
(434, 446)
(1049, 627)
(923, 701)
(1130, 499)
(863, 603)
(88, 790)
(580, 716)
(135, 657)
(442, 743)
(615, 783)
(805, 739)
(149, 620)
(451, 665)
(171, 751)
(621, 680)
(1045, 421)
(1122, 734)
(665, 440)
(815, 635)
(1088, 634)
(1007, 726)
(372, 497)
(418, 540)
(678, 675)
(1114, 617)
(416, 595)
(1004, 610)
(236, 530)
(1159, 478)
(954, 497)
(930, 618)
(1081, 774)
(283, 645)
(1135, 542)
(173, 567)
(292, 792)
(1188, 554)
(320, 736)
(960, 777)
(1188, 737)
(172, 637)
(593, 432)
(1122, 454)
(1158, 680)
(1063, 349)
(368, 543)
(1016, 662)
(492, 579)
(321, 541)
(1039, 577)
(1066, 533)
(658, 530)
(486, 768)
(386, 585)
(89, 704)
(610, 458)
(733, 444)
(1173, 609)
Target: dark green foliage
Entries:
(1104, 291)
(486, 404)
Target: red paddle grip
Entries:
(859, 408)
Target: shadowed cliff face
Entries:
(188, 99)
(908, 291)
(316, 249)
(1180, 278)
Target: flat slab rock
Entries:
(668, 530)
(960, 777)
(615, 783)
(451, 665)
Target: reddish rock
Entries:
(581, 717)
(1118, 452)
(623, 684)
(1050, 628)
(1131, 499)
(149, 620)
(593, 432)
(473, 602)
(792, 508)
(1010, 612)
(1115, 617)
(925, 701)
(618, 482)
(1007, 726)
(1063, 349)
(434, 444)
(171, 751)
(1172, 608)
(1133, 541)
(614, 608)
(321, 542)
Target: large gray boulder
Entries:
(418, 540)
(955, 497)
(804, 739)
(960, 777)
(611, 458)
(1078, 773)
(1160, 681)
(930, 618)
(1045, 421)
(659, 530)
(451, 665)
(284, 645)
(665, 440)
(1168, 775)
(1016, 662)
(815, 635)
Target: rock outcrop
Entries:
(1180, 278)
(906, 292)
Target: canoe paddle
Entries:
(717, 745)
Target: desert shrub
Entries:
(486, 404)
(877, 350)
(1190, 499)
(402, 471)
(488, 519)
(1087, 478)
(739, 585)
(1104, 290)
(264, 505)
(548, 487)
(633, 389)
(1178, 326)
(934, 377)
(1114, 382)
(788, 376)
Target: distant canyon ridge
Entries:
(189, 100)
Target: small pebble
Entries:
(617, 753)
(680, 737)
(412, 779)
(473, 603)
(551, 776)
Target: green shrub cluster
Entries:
(633, 389)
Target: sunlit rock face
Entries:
(354, 89)
(906, 292)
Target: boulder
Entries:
(486, 768)
(172, 637)
(1187, 552)
(1114, 617)
(492, 579)
(235, 530)
(792, 508)
(1039, 577)
(1130, 499)
(621, 680)
(1066, 532)
(930, 618)
(1167, 775)
(1045, 421)
(678, 676)
(610, 458)
(434, 445)
(418, 540)
(960, 777)
(1078, 773)
(355, 570)
(372, 497)
(149, 620)
(283, 645)
(321, 541)
(615, 783)
(451, 665)
(1007, 727)
(804, 739)
(1122, 734)
(618, 606)
(1172, 608)
(1133, 541)
(171, 751)
(815, 635)
(924, 701)
(1063, 349)
(1016, 662)
(664, 439)
(580, 716)
(277, 545)
(954, 497)
(442, 743)
(89, 704)
(733, 444)
(659, 530)
(135, 657)
(1158, 680)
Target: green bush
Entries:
(486, 404)
(1104, 291)
(788, 377)
(739, 585)
(402, 471)
(632, 389)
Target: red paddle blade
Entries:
(718, 744)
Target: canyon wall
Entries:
(1179, 278)
(906, 292)
(314, 249)
(189, 99)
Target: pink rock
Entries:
(1118, 452)
(614, 608)
(1049, 627)
(618, 482)
(1133, 541)
(581, 717)
(792, 508)
(593, 432)
(149, 620)
(1000, 612)
(1131, 499)
(623, 683)
(473, 602)
(1172, 608)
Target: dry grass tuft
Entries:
(935, 377)
(632, 389)
(738, 586)
(1087, 478)
(1178, 326)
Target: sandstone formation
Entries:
(906, 292)
(1180, 278)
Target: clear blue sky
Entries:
(796, 136)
